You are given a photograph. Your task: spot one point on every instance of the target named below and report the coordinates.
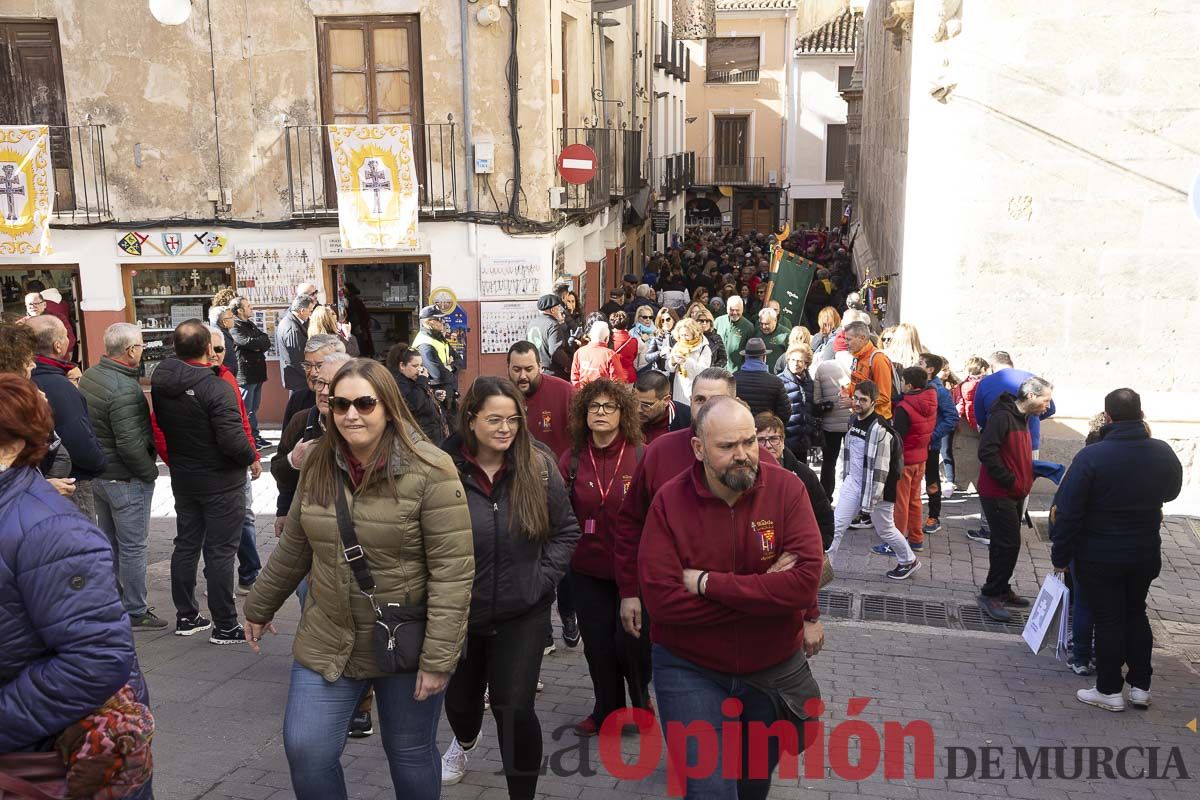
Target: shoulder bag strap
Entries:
(351, 550)
(572, 473)
(23, 788)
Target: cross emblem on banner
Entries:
(10, 187)
(376, 181)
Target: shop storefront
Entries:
(15, 283)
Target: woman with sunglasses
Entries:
(411, 521)
(704, 318)
(525, 533)
(606, 445)
(658, 346)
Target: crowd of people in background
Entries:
(603, 471)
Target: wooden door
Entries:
(730, 150)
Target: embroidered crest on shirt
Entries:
(547, 421)
(765, 528)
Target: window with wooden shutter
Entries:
(32, 92)
(370, 70)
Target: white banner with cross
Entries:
(376, 177)
(26, 190)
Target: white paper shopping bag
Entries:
(1047, 617)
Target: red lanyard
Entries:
(605, 491)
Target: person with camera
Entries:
(525, 533)
(381, 528)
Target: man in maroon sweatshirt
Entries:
(1005, 478)
(729, 561)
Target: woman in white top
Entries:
(830, 400)
(689, 355)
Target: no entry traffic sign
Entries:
(577, 163)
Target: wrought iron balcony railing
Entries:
(747, 172)
(80, 173)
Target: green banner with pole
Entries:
(790, 279)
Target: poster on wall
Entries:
(268, 274)
(455, 320)
(509, 278)
(265, 319)
(501, 324)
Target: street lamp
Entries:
(171, 12)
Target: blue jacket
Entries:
(1108, 508)
(65, 641)
(947, 414)
(71, 420)
(1007, 380)
(800, 424)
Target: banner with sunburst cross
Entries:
(376, 179)
(26, 190)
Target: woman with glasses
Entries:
(690, 355)
(658, 346)
(704, 318)
(606, 444)
(411, 522)
(524, 534)
(801, 428)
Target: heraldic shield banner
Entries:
(376, 179)
(26, 190)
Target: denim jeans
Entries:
(249, 564)
(506, 662)
(1082, 624)
(252, 399)
(318, 717)
(689, 693)
(123, 510)
(946, 446)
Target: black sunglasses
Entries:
(218, 349)
(365, 404)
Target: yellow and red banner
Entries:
(376, 178)
(26, 190)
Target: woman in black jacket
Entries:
(418, 396)
(525, 533)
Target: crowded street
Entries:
(591, 399)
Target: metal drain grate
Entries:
(973, 619)
(835, 604)
(889, 608)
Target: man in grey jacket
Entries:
(120, 417)
(291, 334)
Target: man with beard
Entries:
(658, 412)
(547, 404)
(730, 558)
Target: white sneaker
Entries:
(1109, 702)
(947, 490)
(541, 686)
(454, 762)
(1139, 698)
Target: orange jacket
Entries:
(877, 369)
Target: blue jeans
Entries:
(318, 717)
(248, 563)
(123, 511)
(252, 398)
(947, 449)
(689, 693)
(1082, 625)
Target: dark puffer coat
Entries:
(65, 641)
(513, 574)
(251, 344)
(800, 425)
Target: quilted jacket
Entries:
(121, 419)
(65, 641)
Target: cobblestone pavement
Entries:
(914, 648)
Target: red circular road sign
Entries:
(577, 163)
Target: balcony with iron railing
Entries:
(79, 164)
(626, 164)
(673, 174)
(747, 172)
(733, 76)
(311, 189)
(618, 167)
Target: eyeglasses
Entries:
(499, 422)
(218, 349)
(603, 408)
(363, 405)
(310, 366)
(646, 406)
(320, 384)
(646, 317)
(769, 441)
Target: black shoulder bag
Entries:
(399, 630)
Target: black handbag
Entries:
(399, 631)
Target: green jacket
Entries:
(420, 550)
(734, 335)
(120, 417)
(776, 342)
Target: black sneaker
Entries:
(861, 521)
(185, 626)
(981, 536)
(262, 444)
(147, 622)
(570, 630)
(234, 635)
(903, 571)
(360, 725)
(994, 608)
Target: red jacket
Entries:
(1005, 452)
(607, 471)
(747, 620)
(548, 410)
(592, 362)
(667, 457)
(921, 410)
(625, 350)
(966, 399)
